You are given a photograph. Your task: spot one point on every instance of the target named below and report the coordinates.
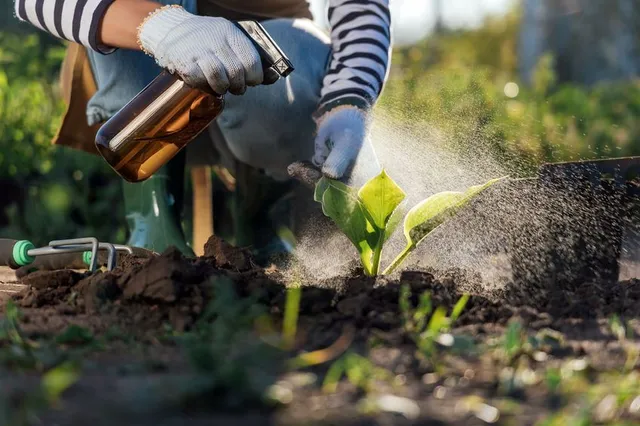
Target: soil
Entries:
(136, 377)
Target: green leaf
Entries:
(617, 327)
(9, 326)
(321, 187)
(394, 221)
(423, 310)
(380, 197)
(291, 311)
(56, 381)
(553, 379)
(438, 321)
(435, 210)
(513, 338)
(341, 204)
(333, 376)
(459, 307)
(356, 370)
(11, 312)
(75, 335)
(431, 213)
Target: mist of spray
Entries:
(418, 158)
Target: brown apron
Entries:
(78, 84)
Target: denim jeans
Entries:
(268, 127)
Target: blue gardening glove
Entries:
(342, 134)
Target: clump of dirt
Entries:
(128, 261)
(41, 280)
(227, 256)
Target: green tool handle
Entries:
(14, 253)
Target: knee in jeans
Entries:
(271, 126)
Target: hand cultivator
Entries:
(78, 253)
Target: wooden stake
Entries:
(202, 207)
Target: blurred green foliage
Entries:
(47, 192)
(29, 104)
(463, 83)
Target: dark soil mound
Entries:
(144, 294)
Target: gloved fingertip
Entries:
(336, 165)
(238, 91)
(332, 172)
(318, 161)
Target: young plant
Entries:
(369, 216)
(359, 371)
(427, 326)
(226, 355)
(624, 334)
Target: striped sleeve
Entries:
(72, 20)
(361, 49)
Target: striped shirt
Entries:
(361, 44)
(360, 39)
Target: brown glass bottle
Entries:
(155, 125)
(167, 114)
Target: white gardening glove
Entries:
(342, 134)
(206, 52)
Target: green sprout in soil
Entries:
(25, 408)
(16, 351)
(429, 327)
(369, 216)
(607, 398)
(59, 370)
(624, 334)
(226, 355)
(291, 312)
(359, 371)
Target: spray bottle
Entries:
(167, 114)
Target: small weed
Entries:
(553, 379)
(517, 343)
(59, 379)
(624, 334)
(23, 409)
(515, 355)
(9, 325)
(359, 371)
(15, 351)
(290, 324)
(228, 356)
(608, 399)
(514, 341)
(75, 335)
(429, 328)
(20, 353)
